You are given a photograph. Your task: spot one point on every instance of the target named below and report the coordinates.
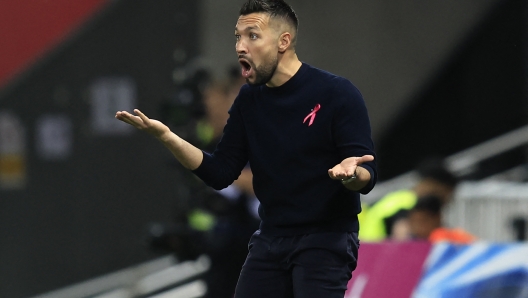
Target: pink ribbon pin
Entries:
(312, 114)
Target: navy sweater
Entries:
(290, 157)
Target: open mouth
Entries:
(246, 67)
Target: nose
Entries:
(240, 47)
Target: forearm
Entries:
(363, 178)
(188, 155)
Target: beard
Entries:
(265, 72)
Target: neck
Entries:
(287, 67)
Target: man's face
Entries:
(423, 223)
(257, 47)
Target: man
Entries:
(232, 209)
(378, 221)
(425, 223)
(306, 135)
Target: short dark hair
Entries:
(431, 204)
(275, 8)
(435, 169)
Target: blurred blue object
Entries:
(479, 270)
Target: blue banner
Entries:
(479, 270)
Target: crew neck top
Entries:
(291, 135)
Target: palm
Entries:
(348, 166)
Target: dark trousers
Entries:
(315, 265)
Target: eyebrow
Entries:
(248, 28)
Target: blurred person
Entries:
(377, 221)
(233, 214)
(401, 230)
(307, 137)
(217, 223)
(425, 223)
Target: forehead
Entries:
(421, 215)
(253, 21)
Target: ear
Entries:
(284, 41)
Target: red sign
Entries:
(388, 269)
(30, 28)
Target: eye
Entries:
(252, 36)
(237, 36)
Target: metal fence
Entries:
(161, 278)
(461, 163)
(487, 209)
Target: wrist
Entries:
(165, 136)
(350, 179)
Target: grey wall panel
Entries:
(389, 49)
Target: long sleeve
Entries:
(351, 128)
(223, 166)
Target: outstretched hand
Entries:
(348, 167)
(188, 155)
(142, 122)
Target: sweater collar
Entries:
(291, 84)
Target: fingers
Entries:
(332, 174)
(141, 115)
(349, 171)
(129, 118)
(340, 176)
(129, 121)
(122, 115)
(338, 172)
(347, 168)
(119, 114)
(364, 158)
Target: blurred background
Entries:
(87, 201)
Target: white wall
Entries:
(387, 48)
